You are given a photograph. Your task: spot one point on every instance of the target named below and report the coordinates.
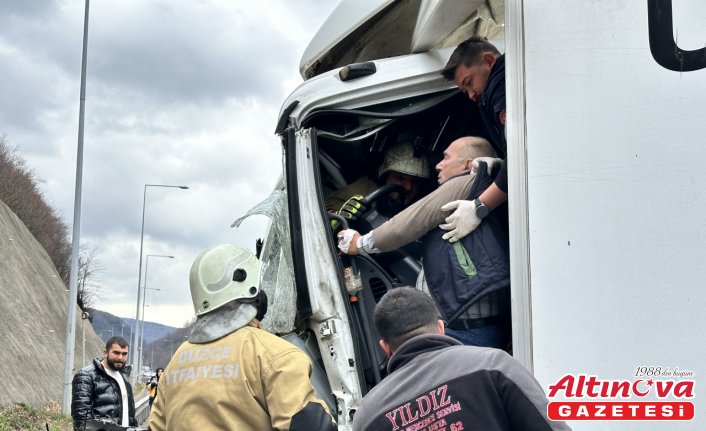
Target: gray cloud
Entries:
(188, 54)
(178, 92)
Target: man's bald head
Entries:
(459, 155)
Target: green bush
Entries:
(21, 417)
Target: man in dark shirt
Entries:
(435, 382)
(478, 69)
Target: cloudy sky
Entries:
(179, 92)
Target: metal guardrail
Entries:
(142, 409)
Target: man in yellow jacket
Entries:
(232, 375)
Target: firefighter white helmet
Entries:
(400, 158)
(222, 274)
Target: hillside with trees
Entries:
(33, 314)
(35, 259)
(19, 190)
(35, 253)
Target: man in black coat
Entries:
(101, 391)
(478, 70)
(434, 382)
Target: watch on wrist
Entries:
(481, 209)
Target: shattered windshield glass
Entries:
(277, 276)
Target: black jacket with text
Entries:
(437, 383)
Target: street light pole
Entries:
(83, 355)
(142, 320)
(170, 356)
(136, 332)
(73, 272)
(142, 329)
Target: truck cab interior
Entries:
(351, 143)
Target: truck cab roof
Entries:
(358, 31)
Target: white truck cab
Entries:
(607, 214)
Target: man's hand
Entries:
(348, 241)
(353, 208)
(490, 161)
(462, 222)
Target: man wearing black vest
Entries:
(470, 280)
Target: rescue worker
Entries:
(478, 69)
(436, 383)
(232, 375)
(400, 166)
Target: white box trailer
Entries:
(606, 145)
(606, 279)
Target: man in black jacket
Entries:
(101, 391)
(478, 70)
(437, 383)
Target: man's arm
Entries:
(422, 216)
(410, 224)
(291, 401)
(493, 197)
(464, 220)
(81, 399)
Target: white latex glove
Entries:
(347, 241)
(461, 222)
(490, 161)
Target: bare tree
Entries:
(87, 281)
(20, 192)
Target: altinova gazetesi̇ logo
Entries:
(653, 394)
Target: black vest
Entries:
(460, 273)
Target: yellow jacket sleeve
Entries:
(291, 400)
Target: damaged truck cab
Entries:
(604, 279)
